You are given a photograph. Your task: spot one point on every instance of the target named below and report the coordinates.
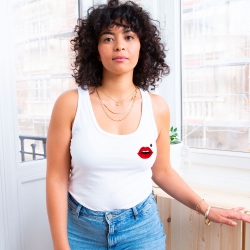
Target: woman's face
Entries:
(118, 49)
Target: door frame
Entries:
(12, 172)
(9, 223)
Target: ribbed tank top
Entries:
(111, 171)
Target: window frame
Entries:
(224, 154)
(205, 159)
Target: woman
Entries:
(110, 136)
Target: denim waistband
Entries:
(114, 214)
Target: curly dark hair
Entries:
(88, 69)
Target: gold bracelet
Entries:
(198, 206)
(207, 221)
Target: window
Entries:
(216, 74)
(43, 30)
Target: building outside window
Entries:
(216, 74)
(43, 30)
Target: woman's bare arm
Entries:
(58, 166)
(167, 178)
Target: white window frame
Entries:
(222, 170)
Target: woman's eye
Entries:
(129, 38)
(108, 39)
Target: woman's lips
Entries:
(145, 152)
(120, 58)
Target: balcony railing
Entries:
(33, 152)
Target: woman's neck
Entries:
(117, 85)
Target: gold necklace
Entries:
(117, 120)
(115, 113)
(117, 102)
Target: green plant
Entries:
(173, 135)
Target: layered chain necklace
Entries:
(105, 108)
(117, 102)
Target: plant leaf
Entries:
(175, 142)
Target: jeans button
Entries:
(110, 216)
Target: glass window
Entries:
(216, 74)
(43, 30)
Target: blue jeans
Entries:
(137, 228)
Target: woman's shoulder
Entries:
(161, 111)
(159, 105)
(66, 104)
(68, 95)
(68, 98)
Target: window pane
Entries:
(216, 74)
(43, 29)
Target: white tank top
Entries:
(111, 171)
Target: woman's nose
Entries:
(119, 46)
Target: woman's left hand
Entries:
(225, 216)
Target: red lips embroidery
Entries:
(145, 152)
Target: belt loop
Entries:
(78, 210)
(135, 212)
